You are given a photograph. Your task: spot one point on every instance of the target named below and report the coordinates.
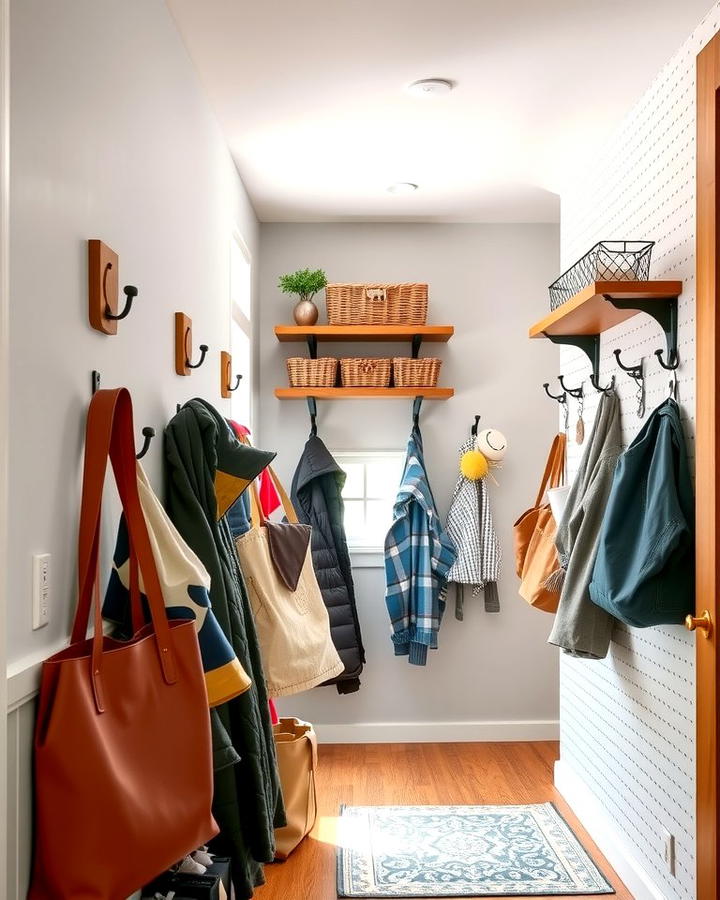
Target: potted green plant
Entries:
(305, 283)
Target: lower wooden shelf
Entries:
(346, 393)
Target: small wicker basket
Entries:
(416, 372)
(376, 304)
(304, 372)
(361, 371)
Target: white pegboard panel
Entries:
(628, 721)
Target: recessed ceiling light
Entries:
(402, 187)
(431, 87)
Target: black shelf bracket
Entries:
(416, 343)
(590, 346)
(665, 312)
(312, 343)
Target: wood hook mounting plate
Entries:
(102, 286)
(183, 340)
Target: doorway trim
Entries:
(4, 421)
(707, 463)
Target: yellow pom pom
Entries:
(473, 465)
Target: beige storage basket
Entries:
(362, 371)
(304, 372)
(376, 304)
(416, 372)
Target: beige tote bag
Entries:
(296, 748)
(290, 616)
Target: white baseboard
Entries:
(431, 732)
(603, 831)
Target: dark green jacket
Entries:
(644, 569)
(207, 469)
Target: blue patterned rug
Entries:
(461, 851)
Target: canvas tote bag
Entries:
(123, 761)
(534, 534)
(296, 748)
(290, 616)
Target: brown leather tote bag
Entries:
(297, 755)
(123, 763)
(534, 536)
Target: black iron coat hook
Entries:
(417, 403)
(598, 387)
(474, 428)
(148, 434)
(577, 392)
(203, 351)
(674, 359)
(561, 398)
(635, 371)
(130, 292)
(312, 410)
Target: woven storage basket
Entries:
(376, 304)
(361, 371)
(304, 372)
(416, 372)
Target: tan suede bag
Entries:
(296, 747)
(536, 558)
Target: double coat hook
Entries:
(577, 392)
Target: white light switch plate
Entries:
(41, 590)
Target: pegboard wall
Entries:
(628, 721)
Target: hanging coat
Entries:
(581, 628)
(207, 469)
(317, 497)
(418, 556)
(471, 529)
(644, 570)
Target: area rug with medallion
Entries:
(461, 851)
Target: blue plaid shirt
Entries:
(418, 556)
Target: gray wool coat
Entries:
(581, 628)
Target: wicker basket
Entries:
(304, 372)
(360, 371)
(416, 372)
(376, 304)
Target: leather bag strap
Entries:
(257, 516)
(110, 434)
(554, 467)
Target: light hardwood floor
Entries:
(416, 775)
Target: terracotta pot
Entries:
(305, 312)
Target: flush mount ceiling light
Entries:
(431, 87)
(402, 187)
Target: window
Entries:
(373, 478)
(241, 329)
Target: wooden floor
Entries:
(417, 775)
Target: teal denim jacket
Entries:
(644, 572)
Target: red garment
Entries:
(274, 718)
(269, 499)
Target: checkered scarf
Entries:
(471, 529)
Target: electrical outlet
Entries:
(41, 590)
(669, 851)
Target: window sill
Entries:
(367, 558)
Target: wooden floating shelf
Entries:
(589, 313)
(345, 333)
(347, 393)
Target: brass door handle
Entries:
(703, 622)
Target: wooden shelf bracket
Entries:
(665, 312)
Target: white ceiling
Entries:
(310, 95)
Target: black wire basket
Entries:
(606, 261)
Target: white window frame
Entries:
(368, 555)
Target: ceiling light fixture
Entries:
(431, 87)
(402, 187)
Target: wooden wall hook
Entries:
(103, 289)
(226, 375)
(183, 346)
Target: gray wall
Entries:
(489, 282)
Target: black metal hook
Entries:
(95, 381)
(238, 379)
(148, 434)
(417, 403)
(561, 398)
(130, 292)
(312, 409)
(635, 371)
(577, 392)
(599, 387)
(474, 428)
(674, 360)
(203, 350)
(178, 407)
